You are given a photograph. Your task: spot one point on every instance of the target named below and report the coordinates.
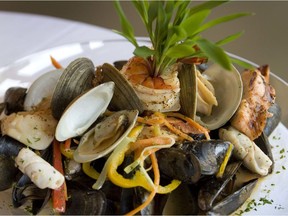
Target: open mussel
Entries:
(212, 154)
(76, 79)
(222, 196)
(25, 193)
(194, 159)
(175, 163)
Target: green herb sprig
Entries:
(174, 29)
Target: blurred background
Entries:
(264, 40)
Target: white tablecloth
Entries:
(23, 34)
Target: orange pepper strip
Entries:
(191, 122)
(55, 63)
(67, 144)
(154, 191)
(59, 196)
(150, 121)
(159, 118)
(143, 143)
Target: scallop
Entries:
(105, 136)
(83, 111)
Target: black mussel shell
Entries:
(8, 172)
(177, 164)
(14, 99)
(274, 120)
(210, 153)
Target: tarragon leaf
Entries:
(127, 28)
(214, 52)
(229, 38)
(220, 20)
(143, 51)
(180, 51)
(241, 63)
(192, 23)
(209, 5)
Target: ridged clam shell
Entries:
(124, 96)
(74, 81)
(188, 93)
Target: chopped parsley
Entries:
(29, 141)
(36, 139)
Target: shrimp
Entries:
(159, 93)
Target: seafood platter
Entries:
(92, 128)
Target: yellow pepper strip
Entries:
(225, 161)
(67, 152)
(140, 177)
(90, 171)
(147, 147)
(149, 150)
(168, 188)
(154, 191)
(117, 157)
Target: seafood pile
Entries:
(113, 142)
(138, 136)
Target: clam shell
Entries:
(75, 80)
(105, 136)
(188, 93)
(228, 90)
(125, 96)
(84, 111)
(42, 87)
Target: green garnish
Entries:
(174, 29)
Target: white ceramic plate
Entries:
(272, 188)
